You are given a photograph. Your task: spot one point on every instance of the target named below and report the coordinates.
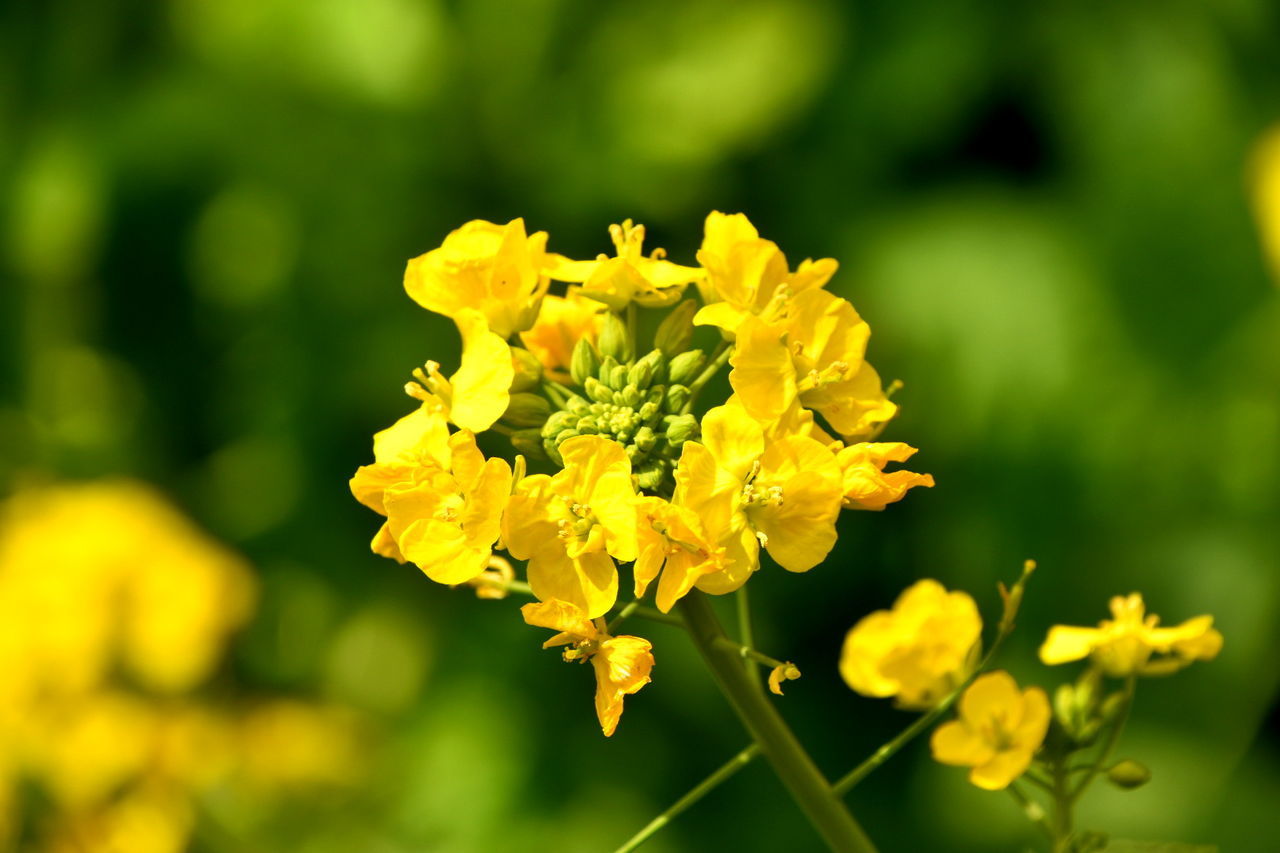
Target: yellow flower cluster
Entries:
(613, 462)
(113, 610)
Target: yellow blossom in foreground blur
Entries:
(784, 495)
(651, 282)
(562, 322)
(443, 500)
(998, 731)
(671, 540)
(477, 395)
(622, 664)
(1265, 180)
(497, 270)
(1130, 643)
(571, 526)
(919, 651)
(866, 485)
(745, 274)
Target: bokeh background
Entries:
(1044, 211)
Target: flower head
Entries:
(672, 541)
(631, 276)
(622, 664)
(919, 651)
(498, 270)
(999, 730)
(1131, 643)
(478, 394)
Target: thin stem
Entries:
(790, 762)
(502, 428)
(706, 786)
(1113, 737)
(634, 608)
(887, 750)
(747, 653)
(718, 358)
(1063, 809)
(1033, 810)
(626, 611)
(746, 632)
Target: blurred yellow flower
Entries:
(919, 651)
(571, 526)
(745, 274)
(562, 322)
(622, 664)
(999, 730)
(1130, 643)
(866, 485)
(671, 541)
(478, 394)
(1265, 179)
(630, 276)
(443, 500)
(784, 496)
(497, 270)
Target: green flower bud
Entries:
(656, 365)
(645, 439)
(613, 339)
(1113, 705)
(648, 410)
(649, 474)
(682, 428)
(617, 378)
(640, 375)
(565, 435)
(588, 426)
(529, 443)
(528, 370)
(607, 364)
(527, 410)
(1128, 774)
(558, 422)
(676, 330)
(677, 396)
(553, 452)
(630, 397)
(597, 390)
(686, 366)
(577, 405)
(585, 361)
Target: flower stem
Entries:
(728, 769)
(718, 358)
(747, 653)
(1033, 810)
(790, 762)
(1109, 747)
(746, 633)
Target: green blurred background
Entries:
(1042, 211)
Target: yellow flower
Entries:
(1265, 177)
(478, 394)
(1131, 644)
(571, 526)
(497, 270)
(443, 500)
(652, 282)
(671, 540)
(919, 651)
(785, 496)
(745, 274)
(622, 664)
(812, 351)
(786, 672)
(998, 732)
(866, 485)
(563, 321)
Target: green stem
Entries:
(732, 766)
(1063, 809)
(790, 762)
(718, 358)
(631, 329)
(1113, 737)
(634, 608)
(1033, 810)
(746, 633)
(747, 653)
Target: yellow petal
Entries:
(734, 440)
(956, 744)
(622, 666)
(763, 377)
(991, 694)
(1066, 643)
(481, 385)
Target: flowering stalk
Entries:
(794, 767)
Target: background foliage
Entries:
(1041, 210)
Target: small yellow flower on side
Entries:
(571, 526)
(1131, 643)
(919, 651)
(478, 394)
(498, 270)
(866, 485)
(443, 500)
(744, 273)
(999, 730)
(630, 276)
(563, 321)
(671, 541)
(784, 496)
(622, 664)
(787, 672)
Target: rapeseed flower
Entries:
(866, 485)
(998, 731)
(630, 276)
